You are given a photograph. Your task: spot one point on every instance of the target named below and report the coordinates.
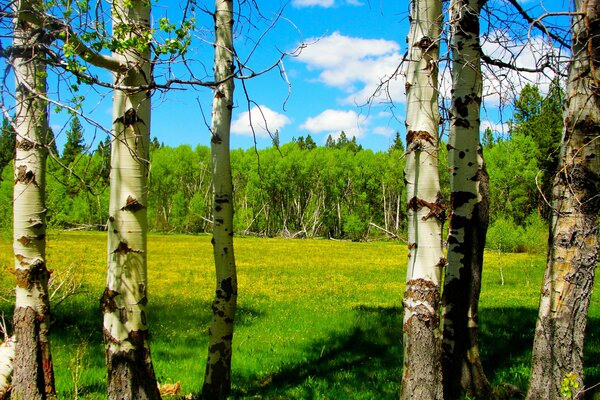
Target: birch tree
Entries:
(422, 377)
(129, 366)
(557, 365)
(462, 369)
(217, 378)
(33, 376)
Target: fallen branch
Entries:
(391, 234)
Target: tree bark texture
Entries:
(33, 376)
(573, 242)
(217, 378)
(7, 365)
(129, 365)
(422, 378)
(462, 369)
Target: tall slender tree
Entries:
(33, 373)
(422, 378)
(129, 366)
(557, 366)
(462, 369)
(217, 378)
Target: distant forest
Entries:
(300, 189)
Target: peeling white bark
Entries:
(31, 316)
(7, 355)
(422, 353)
(129, 365)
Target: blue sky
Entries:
(351, 46)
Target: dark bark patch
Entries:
(123, 248)
(35, 275)
(107, 301)
(25, 145)
(424, 44)
(25, 176)
(216, 139)
(419, 136)
(461, 154)
(462, 123)
(459, 199)
(437, 209)
(132, 204)
(129, 118)
(228, 289)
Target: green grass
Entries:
(317, 319)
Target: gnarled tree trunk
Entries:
(217, 378)
(422, 378)
(573, 244)
(462, 369)
(33, 376)
(129, 366)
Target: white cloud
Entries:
(496, 127)
(332, 122)
(383, 131)
(313, 3)
(355, 65)
(263, 119)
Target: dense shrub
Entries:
(506, 236)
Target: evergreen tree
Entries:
(397, 143)
(75, 144)
(330, 143)
(310, 143)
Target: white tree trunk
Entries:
(33, 374)
(7, 357)
(573, 252)
(217, 378)
(462, 369)
(422, 351)
(129, 366)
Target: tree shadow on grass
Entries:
(366, 362)
(506, 342)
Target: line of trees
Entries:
(300, 189)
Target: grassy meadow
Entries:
(317, 319)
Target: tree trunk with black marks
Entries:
(573, 244)
(422, 377)
(217, 378)
(462, 369)
(123, 304)
(33, 376)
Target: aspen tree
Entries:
(422, 378)
(557, 365)
(217, 378)
(33, 376)
(129, 366)
(462, 369)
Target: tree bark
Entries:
(557, 362)
(7, 365)
(123, 304)
(217, 378)
(33, 376)
(462, 369)
(422, 378)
